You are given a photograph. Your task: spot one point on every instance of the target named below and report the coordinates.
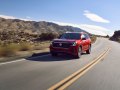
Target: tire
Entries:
(54, 54)
(79, 52)
(89, 50)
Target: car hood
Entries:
(64, 40)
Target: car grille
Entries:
(62, 45)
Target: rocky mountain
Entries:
(33, 26)
(15, 30)
(116, 36)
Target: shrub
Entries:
(11, 49)
(48, 36)
(8, 50)
(24, 47)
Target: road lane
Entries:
(63, 84)
(105, 75)
(42, 72)
(20, 60)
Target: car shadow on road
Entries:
(46, 57)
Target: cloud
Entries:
(94, 17)
(25, 19)
(7, 17)
(97, 30)
(28, 17)
(12, 17)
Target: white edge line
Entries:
(19, 60)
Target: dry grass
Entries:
(13, 49)
(8, 50)
(41, 46)
(24, 47)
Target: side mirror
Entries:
(83, 37)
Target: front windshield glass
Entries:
(70, 36)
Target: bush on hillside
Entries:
(47, 36)
(25, 46)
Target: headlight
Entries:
(74, 44)
(51, 43)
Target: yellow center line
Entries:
(73, 77)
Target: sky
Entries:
(99, 17)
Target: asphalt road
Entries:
(40, 73)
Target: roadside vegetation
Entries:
(14, 48)
(10, 46)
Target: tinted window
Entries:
(70, 36)
(86, 36)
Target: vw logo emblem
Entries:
(60, 44)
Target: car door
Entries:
(84, 43)
(87, 41)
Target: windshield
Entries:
(70, 36)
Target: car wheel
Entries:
(79, 52)
(54, 54)
(89, 50)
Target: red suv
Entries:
(74, 43)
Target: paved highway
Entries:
(40, 73)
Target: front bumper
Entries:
(71, 50)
